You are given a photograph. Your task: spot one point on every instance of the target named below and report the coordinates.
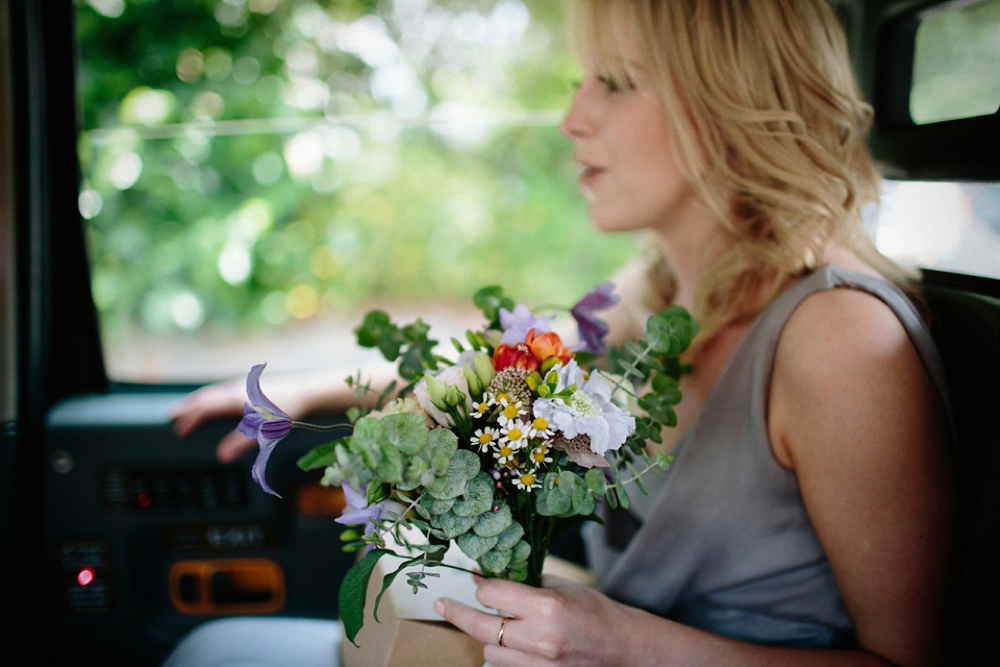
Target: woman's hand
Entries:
(561, 624)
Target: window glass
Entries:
(258, 173)
(956, 60)
(946, 226)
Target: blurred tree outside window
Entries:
(258, 173)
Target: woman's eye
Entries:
(610, 83)
(615, 84)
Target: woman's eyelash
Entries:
(614, 84)
(609, 82)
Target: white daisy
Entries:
(504, 454)
(516, 434)
(541, 427)
(527, 480)
(485, 437)
(540, 455)
(510, 410)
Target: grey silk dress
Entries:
(723, 542)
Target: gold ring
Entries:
(503, 624)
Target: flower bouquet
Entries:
(498, 450)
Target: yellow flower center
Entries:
(485, 438)
(506, 451)
(538, 454)
(514, 434)
(527, 479)
(511, 410)
(540, 423)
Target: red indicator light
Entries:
(143, 499)
(85, 576)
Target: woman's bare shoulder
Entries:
(844, 355)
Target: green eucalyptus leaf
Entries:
(520, 552)
(463, 466)
(551, 499)
(478, 498)
(442, 440)
(474, 546)
(390, 465)
(368, 433)
(662, 343)
(494, 523)
(495, 561)
(595, 481)
(407, 432)
(435, 506)
(518, 571)
(414, 474)
(623, 496)
(453, 525)
(583, 500)
(611, 497)
(510, 535)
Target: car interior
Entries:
(119, 537)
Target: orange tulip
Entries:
(547, 345)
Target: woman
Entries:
(808, 505)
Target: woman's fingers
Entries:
(518, 599)
(214, 400)
(490, 629)
(480, 625)
(233, 446)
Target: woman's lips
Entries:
(589, 175)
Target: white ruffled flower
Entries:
(589, 411)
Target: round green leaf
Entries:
(510, 535)
(453, 525)
(494, 523)
(478, 499)
(475, 546)
(495, 561)
(407, 432)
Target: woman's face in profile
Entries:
(627, 169)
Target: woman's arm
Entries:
(853, 412)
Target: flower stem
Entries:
(321, 427)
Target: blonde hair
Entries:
(768, 125)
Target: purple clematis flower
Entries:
(517, 323)
(359, 511)
(593, 330)
(264, 421)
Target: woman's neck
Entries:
(691, 251)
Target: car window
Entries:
(956, 57)
(941, 225)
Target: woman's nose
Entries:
(579, 118)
